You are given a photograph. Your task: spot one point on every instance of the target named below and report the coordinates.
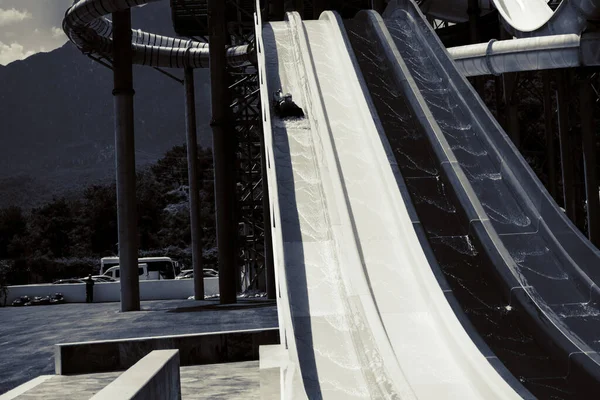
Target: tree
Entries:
(97, 228)
(151, 202)
(13, 227)
(50, 227)
(171, 170)
(4, 267)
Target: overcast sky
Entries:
(30, 26)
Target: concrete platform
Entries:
(28, 334)
(230, 381)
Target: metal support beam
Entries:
(277, 10)
(319, 6)
(509, 86)
(378, 5)
(192, 158)
(566, 145)
(223, 155)
(586, 110)
(474, 12)
(550, 150)
(125, 158)
(269, 262)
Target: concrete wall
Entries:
(107, 292)
(155, 376)
(194, 349)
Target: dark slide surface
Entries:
(520, 271)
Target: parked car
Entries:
(189, 274)
(103, 278)
(72, 280)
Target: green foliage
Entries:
(4, 268)
(13, 227)
(66, 238)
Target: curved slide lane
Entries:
(361, 313)
(87, 27)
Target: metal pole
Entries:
(277, 10)
(510, 82)
(125, 158)
(318, 7)
(500, 117)
(192, 158)
(586, 108)
(223, 155)
(474, 12)
(269, 262)
(550, 151)
(378, 5)
(566, 159)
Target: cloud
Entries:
(12, 16)
(12, 52)
(57, 32)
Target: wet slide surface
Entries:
(497, 249)
(329, 338)
(361, 313)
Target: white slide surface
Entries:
(361, 313)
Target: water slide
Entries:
(361, 312)
(417, 255)
(524, 275)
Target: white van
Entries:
(164, 266)
(144, 272)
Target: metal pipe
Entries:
(566, 147)
(548, 123)
(125, 159)
(224, 157)
(192, 158)
(268, 238)
(497, 57)
(586, 110)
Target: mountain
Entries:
(56, 118)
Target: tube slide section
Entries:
(523, 18)
(361, 313)
(87, 27)
(488, 216)
(526, 18)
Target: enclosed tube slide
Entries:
(87, 27)
(522, 18)
(361, 313)
(527, 18)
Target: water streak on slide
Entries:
(361, 313)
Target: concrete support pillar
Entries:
(550, 150)
(192, 158)
(125, 158)
(224, 155)
(566, 145)
(586, 110)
